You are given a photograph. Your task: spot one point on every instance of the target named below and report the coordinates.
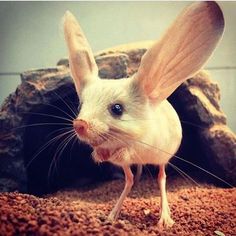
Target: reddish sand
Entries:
(202, 210)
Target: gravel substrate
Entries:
(197, 210)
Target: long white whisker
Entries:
(75, 108)
(73, 143)
(44, 147)
(67, 141)
(192, 124)
(58, 108)
(58, 152)
(63, 100)
(59, 130)
(183, 174)
(190, 163)
(182, 121)
(208, 172)
(40, 124)
(47, 115)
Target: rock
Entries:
(51, 91)
(7, 184)
(113, 66)
(220, 142)
(200, 97)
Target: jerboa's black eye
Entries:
(116, 109)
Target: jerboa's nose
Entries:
(80, 126)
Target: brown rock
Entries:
(220, 142)
(41, 91)
(113, 66)
(200, 96)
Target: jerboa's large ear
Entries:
(82, 63)
(182, 51)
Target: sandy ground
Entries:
(197, 210)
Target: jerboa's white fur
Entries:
(148, 131)
(148, 117)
